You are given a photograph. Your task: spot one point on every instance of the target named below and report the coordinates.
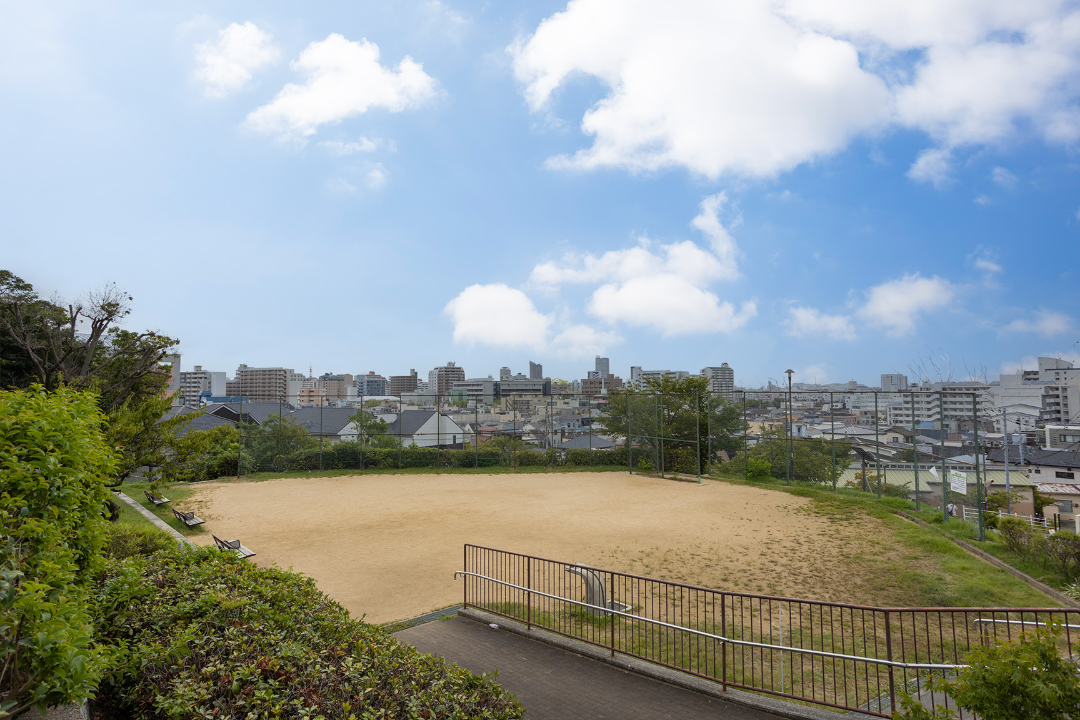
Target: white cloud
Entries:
(811, 322)
(1003, 177)
(666, 289)
(896, 305)
(342, 186)
(987, 266)
(339, 147)
(498, 315)
(756, 87)
(1045, 322)
(344, 79)
(376, 176)
(226, 66)
(933, 166)
(502, 316)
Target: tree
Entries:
(672, 418)
(813, 458)
(80, 345)
(371, 430)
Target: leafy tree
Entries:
(80, 344)
(275, 439)
(1041, 501)
(1023, 679)
(680, 411)
(371, 430)
(812, 458)
(1000, 501)
(54, 463)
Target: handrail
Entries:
(721, 638)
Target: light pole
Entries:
(791, 431)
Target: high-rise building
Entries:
(372, 384)
(442, 379)
(195, 382)
(504, 372)
(536, 371)
(894, 382)
(338, 387)
(721, 379)
(268, 384)
(403, 383)
(603, 367)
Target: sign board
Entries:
(958, 482)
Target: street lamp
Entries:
(791, 431)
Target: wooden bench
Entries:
(233, 546)
(155, 499)
(188, 518)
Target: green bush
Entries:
(1017, 534)
(54, 463)
(990, 521)
(1062, 549)
(757, 469)
(210, 636)
(1024, 679)
(125, 541)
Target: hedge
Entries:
(54, 464)
(208, 635)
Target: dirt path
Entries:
(387, 545)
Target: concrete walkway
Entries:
(561, 685)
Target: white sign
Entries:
(958, 481)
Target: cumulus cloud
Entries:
(896, 305)
(502, 316)
(756, 87)
(933, 166)
(226, 66)
(339, 147)
(811, 322)
(344, 79)
(666, 289)
(497, 315)
(1003, 177)
(1044, 322)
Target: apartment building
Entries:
(194, 383)
(536, 371)
(403, 383)
(600, 385)
(373, 384)
(639, 377)
(941, 402)
(441, 379)
(338, 387)
(267, 384)
(721, 379)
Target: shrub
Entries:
(1023, 679)
(757, 469)
(1062, 549)
(990, 521)
(54, 463)
(125, 541)
(1017, 534)
(208, 635)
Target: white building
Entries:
(721, 379)
(894, 382)
(195, 382)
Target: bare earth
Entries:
(387, 546)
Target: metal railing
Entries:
(972, 515)
(849, 657)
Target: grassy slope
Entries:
(923, 568)
(176, 494)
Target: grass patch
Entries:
(918, 565)
(176, 494)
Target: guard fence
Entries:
(849, 657)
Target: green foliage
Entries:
(125, 541)
(208, 635)
(1024, 679)
(54, 463)
(812, 458)
(142, 439)
(684, 413)
(1000, 500)
(1040, 501)
(1017, 535)
(758, 468)
(990, 521)
(1062, 549)
(202, 455)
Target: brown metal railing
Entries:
(851, 657)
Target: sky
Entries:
(841, 187)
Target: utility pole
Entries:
(791, 431)
(1005, 437)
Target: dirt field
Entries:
(387, 545)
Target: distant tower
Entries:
(603, 366)
(536, 371)
(504, 372)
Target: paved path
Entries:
(560, 685)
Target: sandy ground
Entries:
(387, 546)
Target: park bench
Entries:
(155, 499)
(188, 518)
(233, 546)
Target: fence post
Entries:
(832, 439)
(708, 429)
(888, 656)
(915, 452)
(941, 441)
(528, 593)
(723, 630)
(611, 616)
(877, 447)
(697, 445)
(465, 565)
(240, 435)
(320, 435)
(745, 440)
(629, 434)
(978, 479)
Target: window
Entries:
(1065, 475)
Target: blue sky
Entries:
(838, 187)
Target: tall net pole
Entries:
(915, 452)
(697, 436)
(941, 444)
(978, 479)
(745, 440)
(877, 446)
(629, 434)
(832, 438)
